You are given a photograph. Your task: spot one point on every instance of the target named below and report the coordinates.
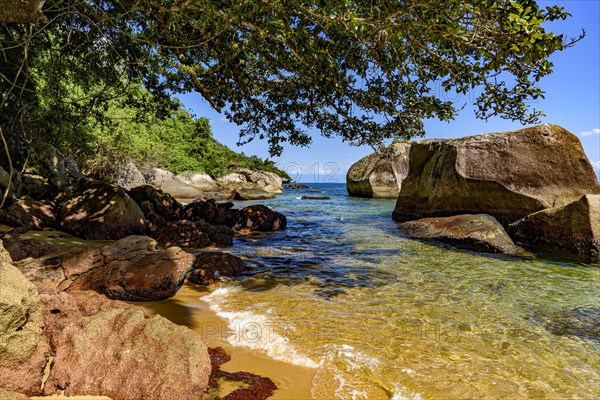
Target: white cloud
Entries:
(596, 164)
(590, 133)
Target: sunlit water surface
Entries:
(377, 315)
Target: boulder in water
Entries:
(506, 175)
(379, 176)
(257, 218)
(573, 228)
(477, 232)
(210, 266)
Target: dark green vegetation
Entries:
(366, 71)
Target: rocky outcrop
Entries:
(123, 354)
(167, 182)
(477, 232)
(209, 211)
(232, 178)
(100, 211)
(130, 269)
(29, 214)
(379, 176)
(573, 228)
(23, 346)
(262, 178)
(209, 267)
(507, 175)
(257, 218)
(202, 181)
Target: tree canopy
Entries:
(363, 70)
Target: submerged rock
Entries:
(123, 354)
(583, 323)
(573, 228)
(379, 176)
(100, 211)
(253, 387)
(209, 267)
(507, 175)
(477, 232)
(257, 218)
(23, 347)
(315, 198)
(253, 194)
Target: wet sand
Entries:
(294, 382)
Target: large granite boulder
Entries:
(125, 355)
(29, 214)
(379, 176)
(257, 218)
(232, 178)
(127, 175)
(262, 178)
(209, 267)
(507, 175)
(573, 228)
(479, 232)
(23, 347)
(202, 181)
(100, 211)
(167, 182)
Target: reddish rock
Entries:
(20, 249)
(211, 266)
(254, 387)
(24, 349)
(147, 277)
(209, 211)
(477, 232)
(219, 235)
(130, 269)
(125, 355)
(100, 211)
(257, 218)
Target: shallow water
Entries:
(375, 315)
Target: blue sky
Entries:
(572, 101)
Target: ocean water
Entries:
(377, 315)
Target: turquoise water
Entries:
(379, 315)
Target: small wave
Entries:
(402, 393)
(256, 331)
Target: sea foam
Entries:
(255, 331)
